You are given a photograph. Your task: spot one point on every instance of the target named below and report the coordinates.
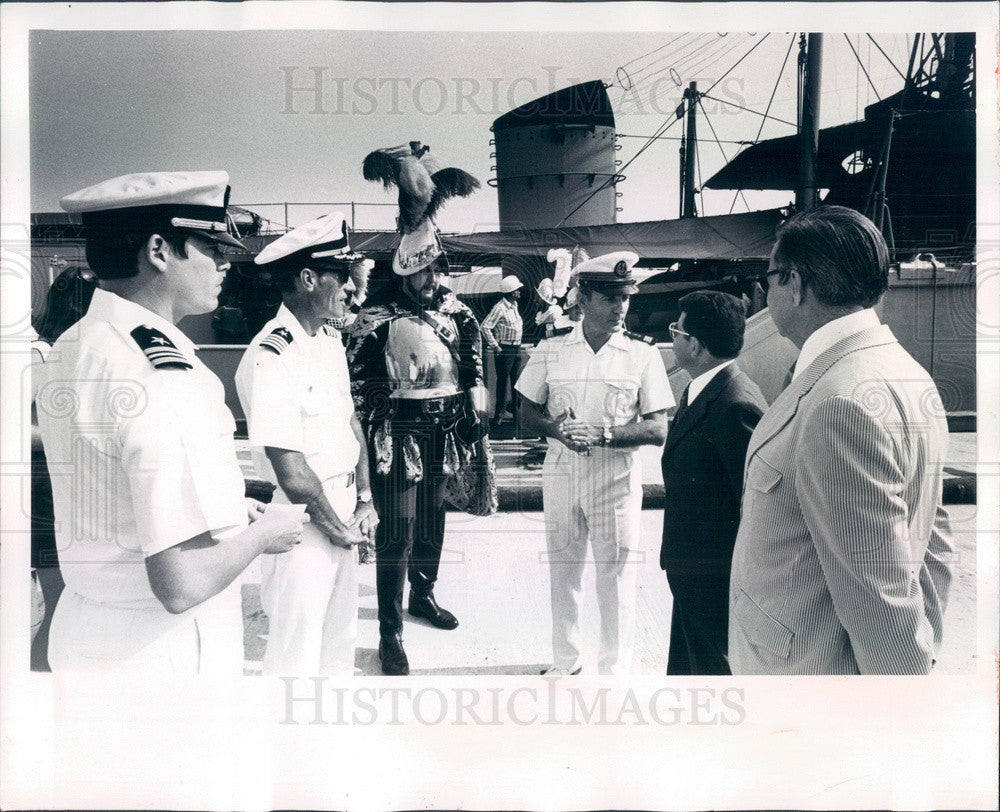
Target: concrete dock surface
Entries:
(494, 577)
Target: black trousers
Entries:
(699, 624)
(410, 532)
(44, 557)
(507, 364)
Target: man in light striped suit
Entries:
(843, 558)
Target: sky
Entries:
(291, 114)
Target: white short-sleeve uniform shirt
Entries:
(618, 384)
(615, 386)
(141, 458)
(298, 398)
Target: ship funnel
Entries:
(555, 160)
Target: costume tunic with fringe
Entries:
(403, 372)
(410, 376)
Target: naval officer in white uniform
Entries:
(596, 392)
(294, 388)
(152, 524)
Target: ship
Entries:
(909, 164)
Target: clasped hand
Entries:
(577, 435)
(365, 519)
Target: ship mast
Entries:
(810, 74)
(688, 146)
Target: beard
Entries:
(424, 296)
(427, 295)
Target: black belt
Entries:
(446, 409)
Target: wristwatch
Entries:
(607, 436)
(364, 496)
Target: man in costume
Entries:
(415, 361)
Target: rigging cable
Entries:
(653, 83)
(774, 90)
(675, 58)
(650, 140)
(697, 160)
(770, 101)
(660, 131)
(721, 149)
(869, 78)
(643, 56)
(717, 53)
(680, 138)
(857, 89)
(887, 57)
(764, 116)
(709, 58)
(868, 61)
(761, 42)
(681, 59)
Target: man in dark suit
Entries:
(703, 477)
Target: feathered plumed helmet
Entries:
(423, 186)
(563, 277)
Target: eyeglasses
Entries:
(764, 279)
(676, 331)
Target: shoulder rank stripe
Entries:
(331, 330)
(640, 337)
(560, 331)
(277, 341)
(160, 350)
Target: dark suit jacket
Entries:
(703, 481)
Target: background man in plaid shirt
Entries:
(502, 333)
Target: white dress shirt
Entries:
(615, 386)
(698, 384)
(832, 332)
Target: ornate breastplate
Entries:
(418, 362)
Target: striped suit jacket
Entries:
(843, 555)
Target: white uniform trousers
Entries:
(206, 640)
(596, 498)
(310, 595)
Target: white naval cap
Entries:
(510, 283)
(189, 201)
(608, 271)
(323, 242)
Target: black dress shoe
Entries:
(557, 671)
(390, 652)
(427, 608)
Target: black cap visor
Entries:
(610, 287)
(205, 221)
(223, 237)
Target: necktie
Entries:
(682, 406)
